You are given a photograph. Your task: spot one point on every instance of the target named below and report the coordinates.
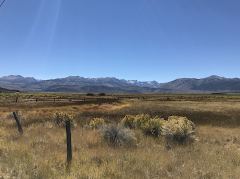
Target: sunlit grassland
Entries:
(41, 151)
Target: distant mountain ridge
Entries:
(113, 85)
(4, 90)
(210, 84)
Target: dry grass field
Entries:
(41, 151)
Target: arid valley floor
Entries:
(41, 151)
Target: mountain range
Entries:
(4, 90)
(114, 85)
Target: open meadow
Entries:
(136, 151)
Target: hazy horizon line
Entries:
(52, 78)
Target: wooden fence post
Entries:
(20, 130)
(16, 100)
(69, 142)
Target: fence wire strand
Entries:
(2, 3)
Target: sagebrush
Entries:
(116, 135)
(179, 129)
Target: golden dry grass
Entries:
(41, 151)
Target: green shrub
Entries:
(150, 126)
(132, 121)
(128, 121)
(153, 127)
(96, 123)
(141, 120)
(60, 118)
(116, 136)
(179, 129)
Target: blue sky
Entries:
(131, 39)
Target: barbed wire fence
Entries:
(2, 3)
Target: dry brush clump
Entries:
(179, 129)
(116, 136)
(135, 121)
(153, 127)
(141, 120)
(60, 118)
(176, 128)
(97, 123)
(128, 121)
(144, 122)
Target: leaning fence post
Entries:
(20, 130)
(69, 143)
